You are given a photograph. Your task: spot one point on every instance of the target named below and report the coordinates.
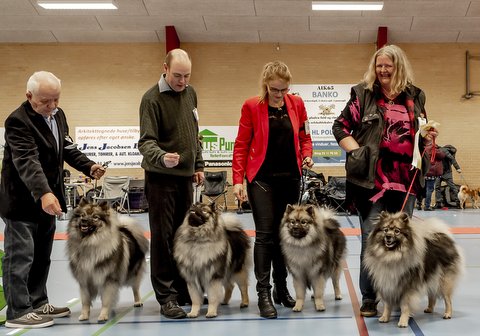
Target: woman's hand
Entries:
(239, 192)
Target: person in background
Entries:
(272, 144)
(172, 158)
(437, 157)
(31, 194)
(378, 129)
(447, 176)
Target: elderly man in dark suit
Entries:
(31, 195)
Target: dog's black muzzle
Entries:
(197, 217)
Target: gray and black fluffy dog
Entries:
(212, 252)
(314, 248)
(406, 258)
(106, 251)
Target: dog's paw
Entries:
(102, 318)
(244, 305)
(338, 297)
(83, 317)
(447, 316)
(192, 315)
(320, 307)
(138, 304)
(383, 319)
(428, 310)
(211, 314)
(297, 308)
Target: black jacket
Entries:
(32, 165)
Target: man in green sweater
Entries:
(172, 157)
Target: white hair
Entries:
(40, 77)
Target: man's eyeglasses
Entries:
(277, 91)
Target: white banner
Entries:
(217, 144)
(324, 102)
(117, 144)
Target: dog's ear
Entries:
(404, 217)
(288, 209)
(383, 215)
(103, 205)
(310, 210)
(83, 202)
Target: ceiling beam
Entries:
(382, 38)
(171, 38)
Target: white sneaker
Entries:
(30, 321)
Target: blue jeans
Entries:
(391, 201)
(429, 187)
(26, 264)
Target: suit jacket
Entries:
(252, 138)
(32, 164)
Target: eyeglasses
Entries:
(277, 91)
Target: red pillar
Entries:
(171, 38)
(382, 37)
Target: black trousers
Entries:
(269, 200)
(169, 198)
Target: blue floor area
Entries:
(340, 317)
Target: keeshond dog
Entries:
(106, 251)
(314, 248)
(406, 258)
(212, 251)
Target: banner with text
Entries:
(324, 102)
(217, 143)
(117, 144)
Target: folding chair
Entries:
(115, 192)
(335, 191)
(215, 186)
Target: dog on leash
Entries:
(314, 248)
(466, 193)
(406, 258)
(106, 251)
(212, 252)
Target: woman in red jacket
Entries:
(272, 144)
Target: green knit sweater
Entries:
(168, 125)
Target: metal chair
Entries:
(115, 192)
(215, 186)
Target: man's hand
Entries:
(307, 162)
(170, 160)
(50, 204)
(97, 171)
(198, 178)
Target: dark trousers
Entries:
(448, 178)
(169, 198)
(26, 264)
(368, 213)
(269, 200)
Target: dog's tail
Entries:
(238, 240)
(129, 226)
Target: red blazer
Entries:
(252, 138)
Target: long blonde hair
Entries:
(271, 71)
(402, 75)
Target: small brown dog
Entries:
(466, 193)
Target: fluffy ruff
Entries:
(406, 259)
(465, 193)
(212, 252)
(105, 252)
(314, 248)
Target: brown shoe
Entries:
(368, 309)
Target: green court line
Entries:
(117, 318)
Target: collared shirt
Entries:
(163, 86)
(52, 124)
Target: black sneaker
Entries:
(368, 309)
(30, 321)
(172, 310)
(49, 310)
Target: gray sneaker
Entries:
(49, 310)
(30, 321)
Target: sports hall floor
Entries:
(340, 317)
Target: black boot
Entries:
(282, 296)
(265, 305)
